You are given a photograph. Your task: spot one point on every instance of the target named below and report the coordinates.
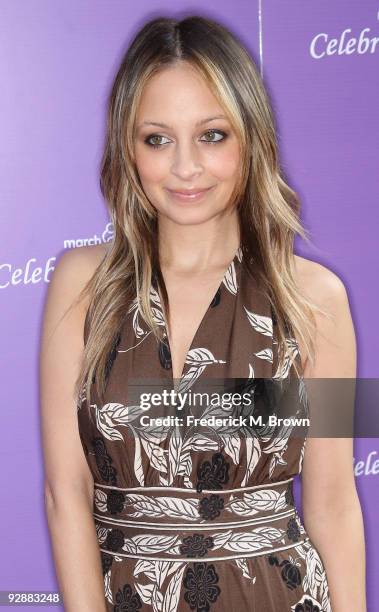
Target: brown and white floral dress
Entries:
(193, 517)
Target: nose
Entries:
(187, 161)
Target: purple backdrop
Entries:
(319, 61)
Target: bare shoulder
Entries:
(74, 268)
(335, 342)
(82, 260)
(323, 286)
(64, 312)
(96, 252)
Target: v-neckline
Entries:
(237, 255)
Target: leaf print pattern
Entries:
(176, 460)
(173, 507)
(230, 279)
(111, 415)
(250, 541)
(265, 354)
(171, 599)
(243, 566)
(253, 454)
(180, 511)
(208, 508)
(261, 323)
(198, 359)
(315, 581)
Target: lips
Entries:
(189, 194)
(188, 191)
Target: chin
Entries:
(190, 215)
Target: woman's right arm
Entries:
(68, 482)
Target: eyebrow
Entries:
(197, 124)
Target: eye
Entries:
(155, 145)
(212, 133)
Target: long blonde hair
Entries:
(268, 208)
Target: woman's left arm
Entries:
(331, 508)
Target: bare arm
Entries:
(331, 507)
(68, 481)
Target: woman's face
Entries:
(192, 148)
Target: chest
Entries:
(190, 301)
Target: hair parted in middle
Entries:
(268, 209)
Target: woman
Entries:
(199, 282)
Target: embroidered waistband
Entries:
(166, 507)
(166, 523)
